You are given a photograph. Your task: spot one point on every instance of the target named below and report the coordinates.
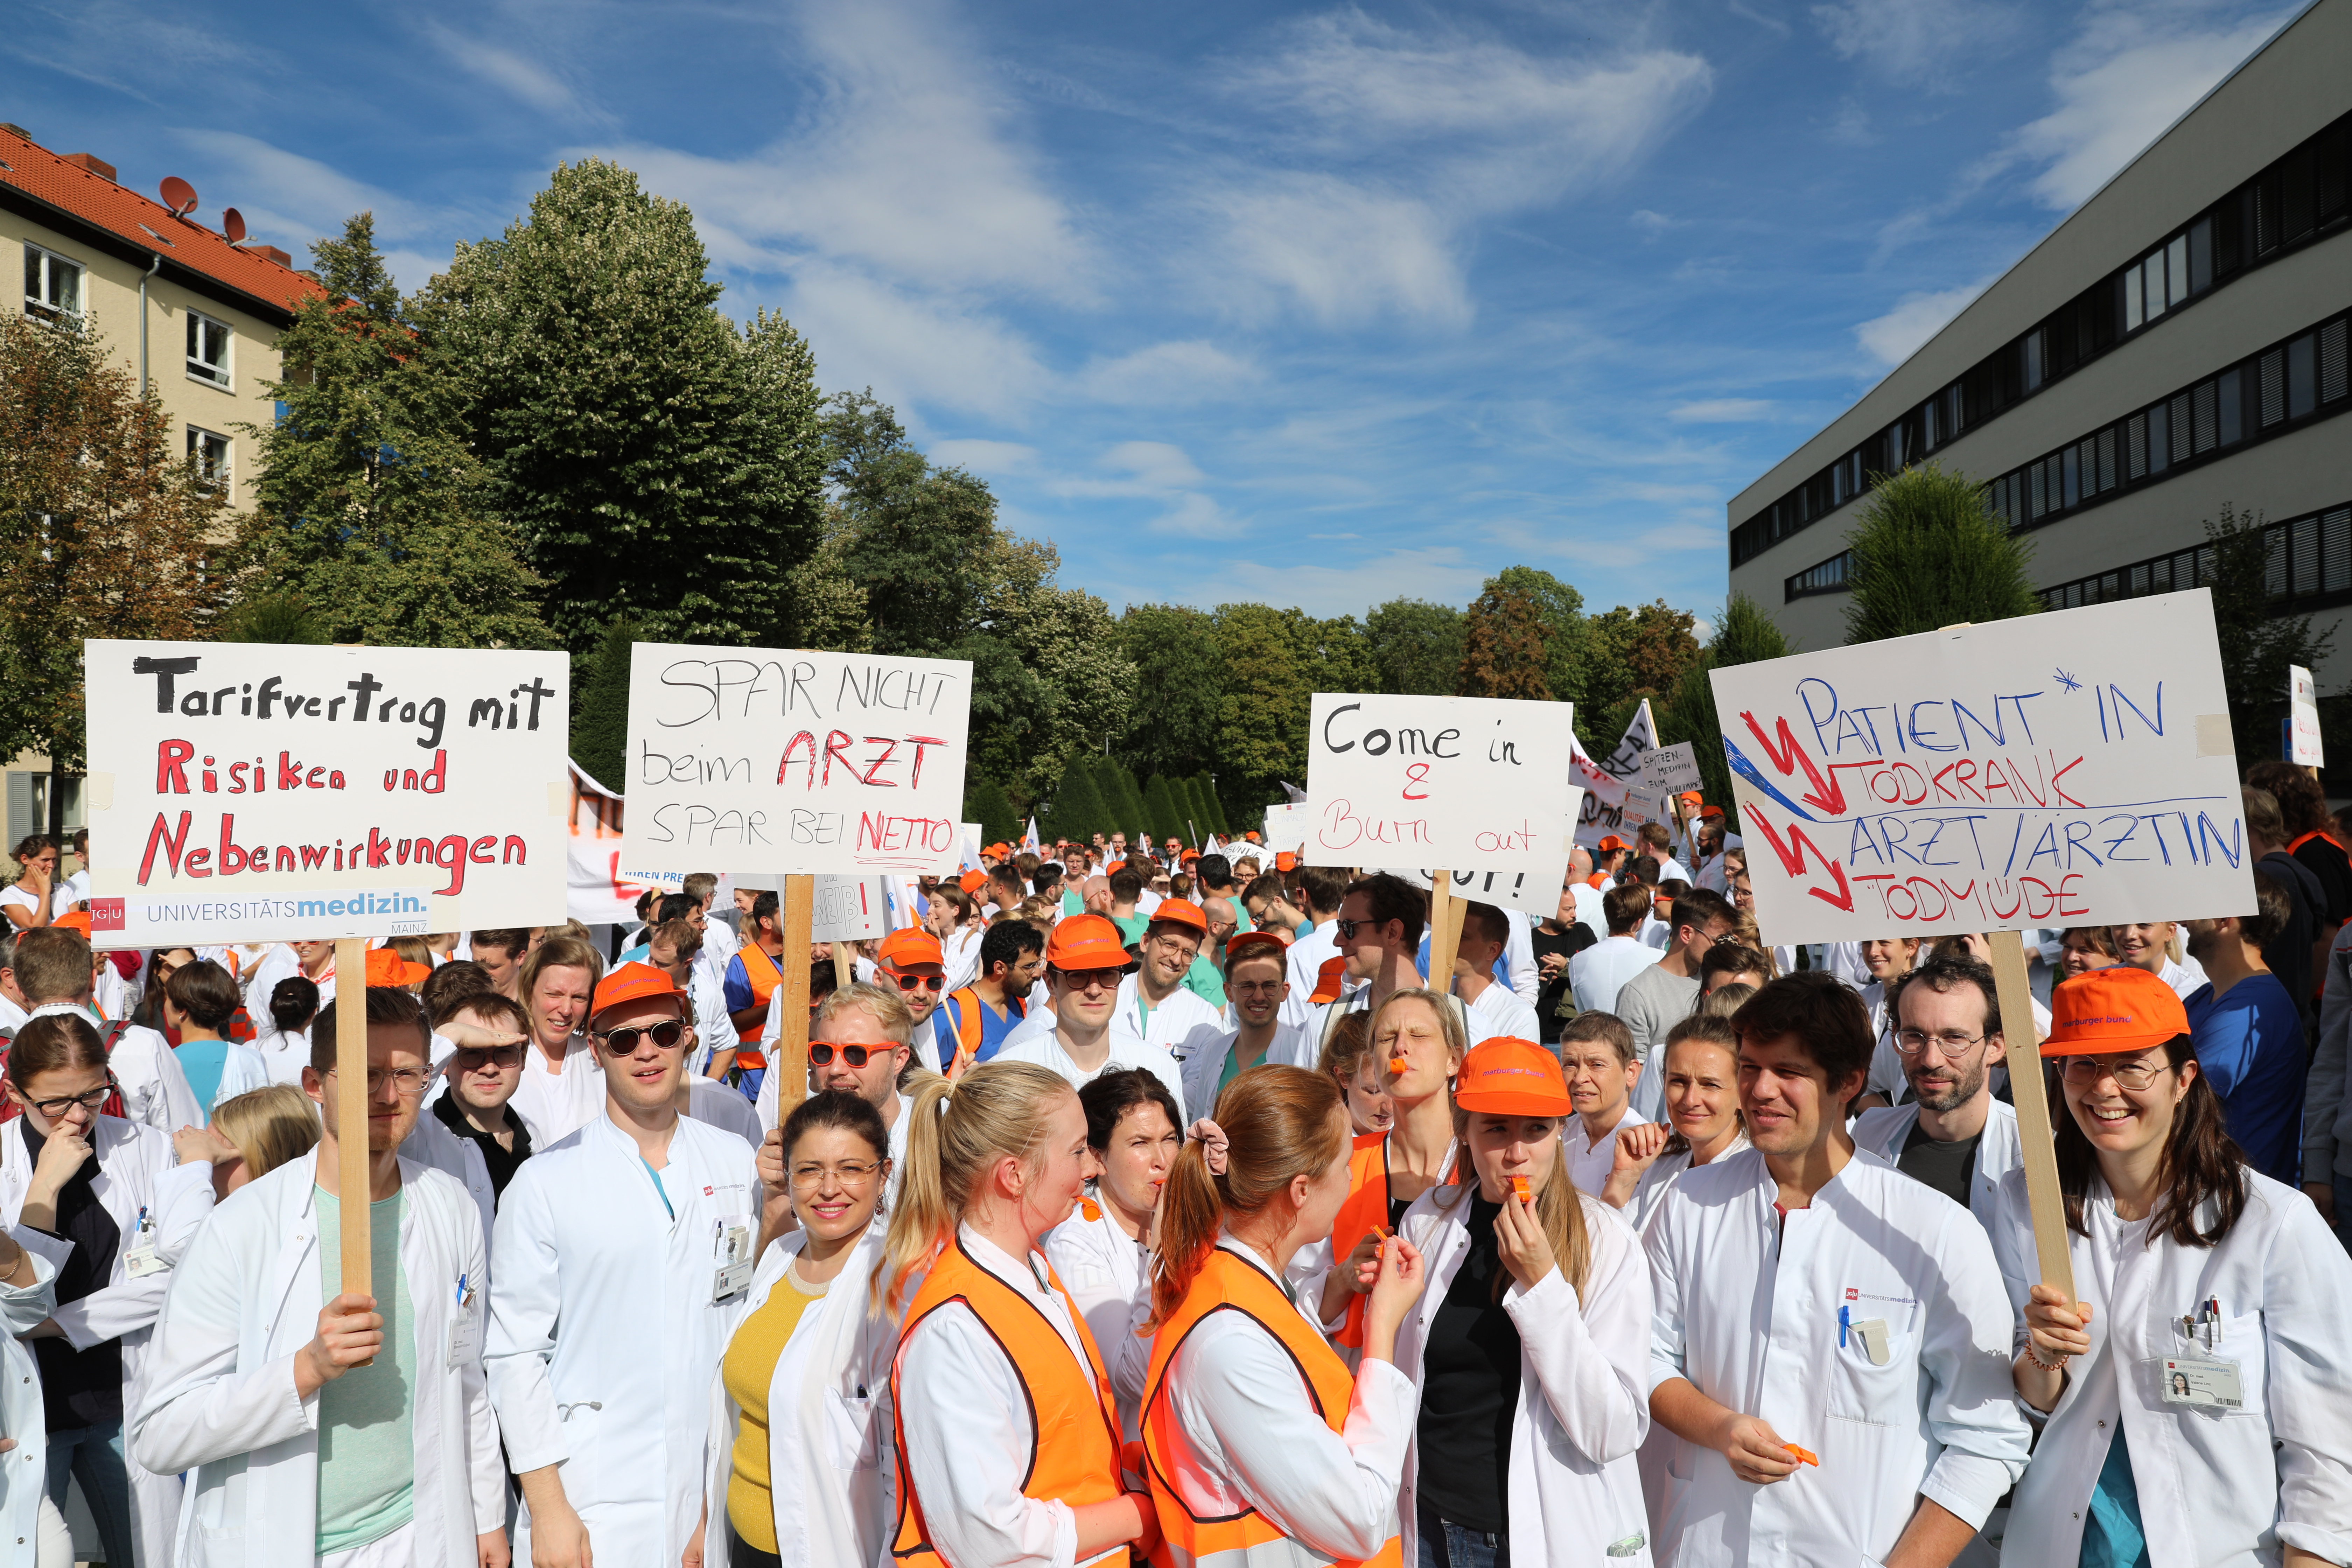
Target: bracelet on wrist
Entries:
(2044, 1365)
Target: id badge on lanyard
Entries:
(466, 1325)
(141, 1260)
(731, 1254)
(2198, 1374)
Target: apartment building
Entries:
(2177, 344)
(192, 314)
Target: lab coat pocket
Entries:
(1876, 1378)
(582, 1429)
(856, 1435)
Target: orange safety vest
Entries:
(762, 985)
(1074, 1420)
(966, 1017)
(1365, 1210)
(1229, 1284)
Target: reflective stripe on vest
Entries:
(1247, 1539)
(1073, 1419)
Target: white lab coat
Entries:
(284, 1052)
(24, 1469)
(1203, 1068)
(1519, 958)
(1304, 962)
(1590, 1159)
(723, 1105)
(1749, 1310)
(1507, 1014)
(1574, 1491)
(460, 1159)
(154, 1090)
(554, 1105)
(2215, 1487)
(603, 1334)
(1126, 1050)
(1883, 1130)
(1107, 1275)
(136, 1176)
(217, 1396)
(829, 1453)
(243, 1068)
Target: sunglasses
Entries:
(855, 1056)
(1348, 929)
(623, 1041)
(921, 982)
(473, 1058)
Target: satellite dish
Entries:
(179, 195)
(233, 225)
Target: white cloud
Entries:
(1720, 411)
(526, 80)
(913, 347)
(1922, 43)
(2110, 110)
(1890, 339)
(1196, 516)
(986, 459)
(1343, 251)
(1189, 371)
(1438, 574)
(1155, 463)
(290, 201)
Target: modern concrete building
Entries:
(2177, 344)
(190, 314)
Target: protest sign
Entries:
(1605, 780)
(1468, 782)
(848, 908)
(2036, 771)
(1532, 889)
(2302, 744)
(1286, 827)
(1645, 803)
(1671, 768)
(793, 761)
(248, 791)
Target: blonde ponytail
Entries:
(958, 1130)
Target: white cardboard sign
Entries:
(2044, 771)
(2303, 748)
(755, 760)
(1672, 768)
(249, 792)
(1286, 827)
(1470, 781)
(1605, 780)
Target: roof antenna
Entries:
(233, 225)
(179, 195)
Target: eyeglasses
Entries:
(855, 1056)
(409, 1081)
(1951, 1042)
(2084, 1071)
(91, 1101)
(1175, 942)
(1092, 979)
(918, 982)
(809, 1178)
(1348, 929)
(473, 1058)
(623, 1041)
(1255, 987)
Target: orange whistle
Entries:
(1802, 1456)
(1519, 1189)
(1398, 1064)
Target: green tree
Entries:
(1634, 652)
(2256, 645)
(1262, 716)
(107, 530)
(1929, 552)
(1159, 817)
(1503, 648)
(984, 802)
(600, 708)
(1745, 635)
(1566, 631)
(914, 536)
(1416, 645)
(1178, 685)
(1121, 795)
(657, 461)
(1192, 809)
(1214, 806)
(1077, 810)
(273, 618)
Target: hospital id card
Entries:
(2209, 1382)
(735, 1263)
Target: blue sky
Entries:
(1315, 304)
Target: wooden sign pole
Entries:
(1445, 931)
(788, 1052)
(2031, 1097)
(352, 1110)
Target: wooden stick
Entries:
(788, 1052)
(2031, 1097)
(1445, 931)
(844, 964)
(352, 1110)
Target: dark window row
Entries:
(2309, 561)
(2267, 394)
(2300, 197)
(1822, 577)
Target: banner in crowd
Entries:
(1469, 782)
(2037, 772)
(795, 762)
(1533, 888)
(1605, 781)
(258, 793)
(841, 908)
(2302, 744)
(597, 894)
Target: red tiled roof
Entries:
(148, 224)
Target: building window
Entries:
(52, 286)
(209, 454)
(1825, 577)
(207, 350)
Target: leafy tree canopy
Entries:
(1929, 552)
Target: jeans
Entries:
(94, 1456)
(1444, 1545)
(744, 1556)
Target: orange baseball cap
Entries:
(1284, 860)
(1506, 1077)
(1114, 867)
(1328, 980)
(1613, 844)
(73, 920)
(634, 983)
(972, 881)
(1706, 811)
(1190, 855)
(1253, 944)
(1085, 942)
(386, 967)
(910, 945)
(1182, 912)
(2106, 1011)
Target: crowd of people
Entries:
(1145, 1203)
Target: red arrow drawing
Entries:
(1792, 853)
(1827, 794)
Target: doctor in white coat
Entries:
(562, 1087)
(1812, 1298)
(812, 1476)
(238, 1386)
(1947, 1035)
(31, 1532)
(57, 1073)
(2196, 1404)
(625, 1251)
(1556, 1274)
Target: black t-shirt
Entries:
(2325, 860)
(1567, 943)
(502, 1163)
(80, 1388)
(2288, 955)
(1470, 1389)
(1949, 1168)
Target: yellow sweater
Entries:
(749, 1367)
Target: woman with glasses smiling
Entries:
(2196, 1403)
(799, 1409)
(111, 1189)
